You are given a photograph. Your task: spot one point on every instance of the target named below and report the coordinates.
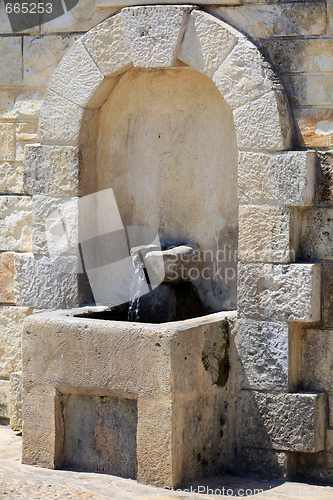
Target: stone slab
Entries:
(324, 178)
(285, 422)
(316, 234)
(285, 178)
(327, 294)
(266, 234)
(15, 223)
(38, 69)
(15, 400)
(206, 42)
(10, 338)
(11, 178)
(266, 464)
(314, 126)
(45, 282)
(317, 360)
(4, 398)
(7, 273)
(25, 133)
(330, 413)
(21, 104)
(285, 292)
(10, 60)
(154, 33)
(263, 355)
(264, 123)
(308, 90)
(7, 142)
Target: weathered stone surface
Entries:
(309, 55)
(243, 82)
(330, 413)
(10, 338)
(45, 282)
(206, 43)
(154, 33)
(316, 360)
(327, 294)
(4, 398)
(314, 126)
(324, 178)
(264, 123)
(266, 464)
(285, 178)
(77, 76)
(7, 141)
(287, 292)
(262, 348)
(316, 234)
(283, 19)
(7, 273)
(286, 422)
(308, 90)
(266, 234)
(15, 400)
(52, 170)
(38, 68)
(25, 132)
(50, 215)
(64, 122)
(108, 46)
(17, 104)
(10, 60)
(15, 223)
(11, 178)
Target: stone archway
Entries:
(274, 294)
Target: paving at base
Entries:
(19, 481)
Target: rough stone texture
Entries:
(45, 282)
(267, 464)
(21, 103)
(15, 223)
(264, 123)
(206, 43)
(7, 141)
(108, 46)
(324, 178)
(11, 178)
(4, 398)
(77, 77)
(106, 358)
(11, 320)
(330, 413)
(285, 422)
(38, 69)
(308, 90)
(10, 60)
(52, 170)
(283, 19)
(154, 33)
(240, 82)
(317, 360)
(266, 234)
(50, 215)
(64, 122)
(327, 294)
(7, 273)
(287, 292)
(314, 126)
(285, 178)
(15, 400)
(316, 234)
(262, 348)
(25, 133)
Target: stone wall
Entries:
(297, 37)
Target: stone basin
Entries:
(136, 400)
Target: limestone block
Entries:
(327, 294)
(286, 422)
(308, 56)
(4, 398)
(52, 170)
(7, 273)
(324, 178)
(286, 292)
(11, 178)
(308, 90)
(264, 123)
(317, 360)
(77, 76)
(38, 69)
(266, 464)
(262, 348)
(10, 338)
(285, 178)
(266, 234)
(244, 75)
(7, 141)
(154, 33)
(108, 46)
(206, 43)
(11, 60)
(17, 104)
(314, 126)
(50, 217)
(275, 20)
(25, 132)
(330, 413)
(45, 282)
(64, 122)
(15, 400)
(15, 223)
(316, 234)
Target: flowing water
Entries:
(136, 288)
